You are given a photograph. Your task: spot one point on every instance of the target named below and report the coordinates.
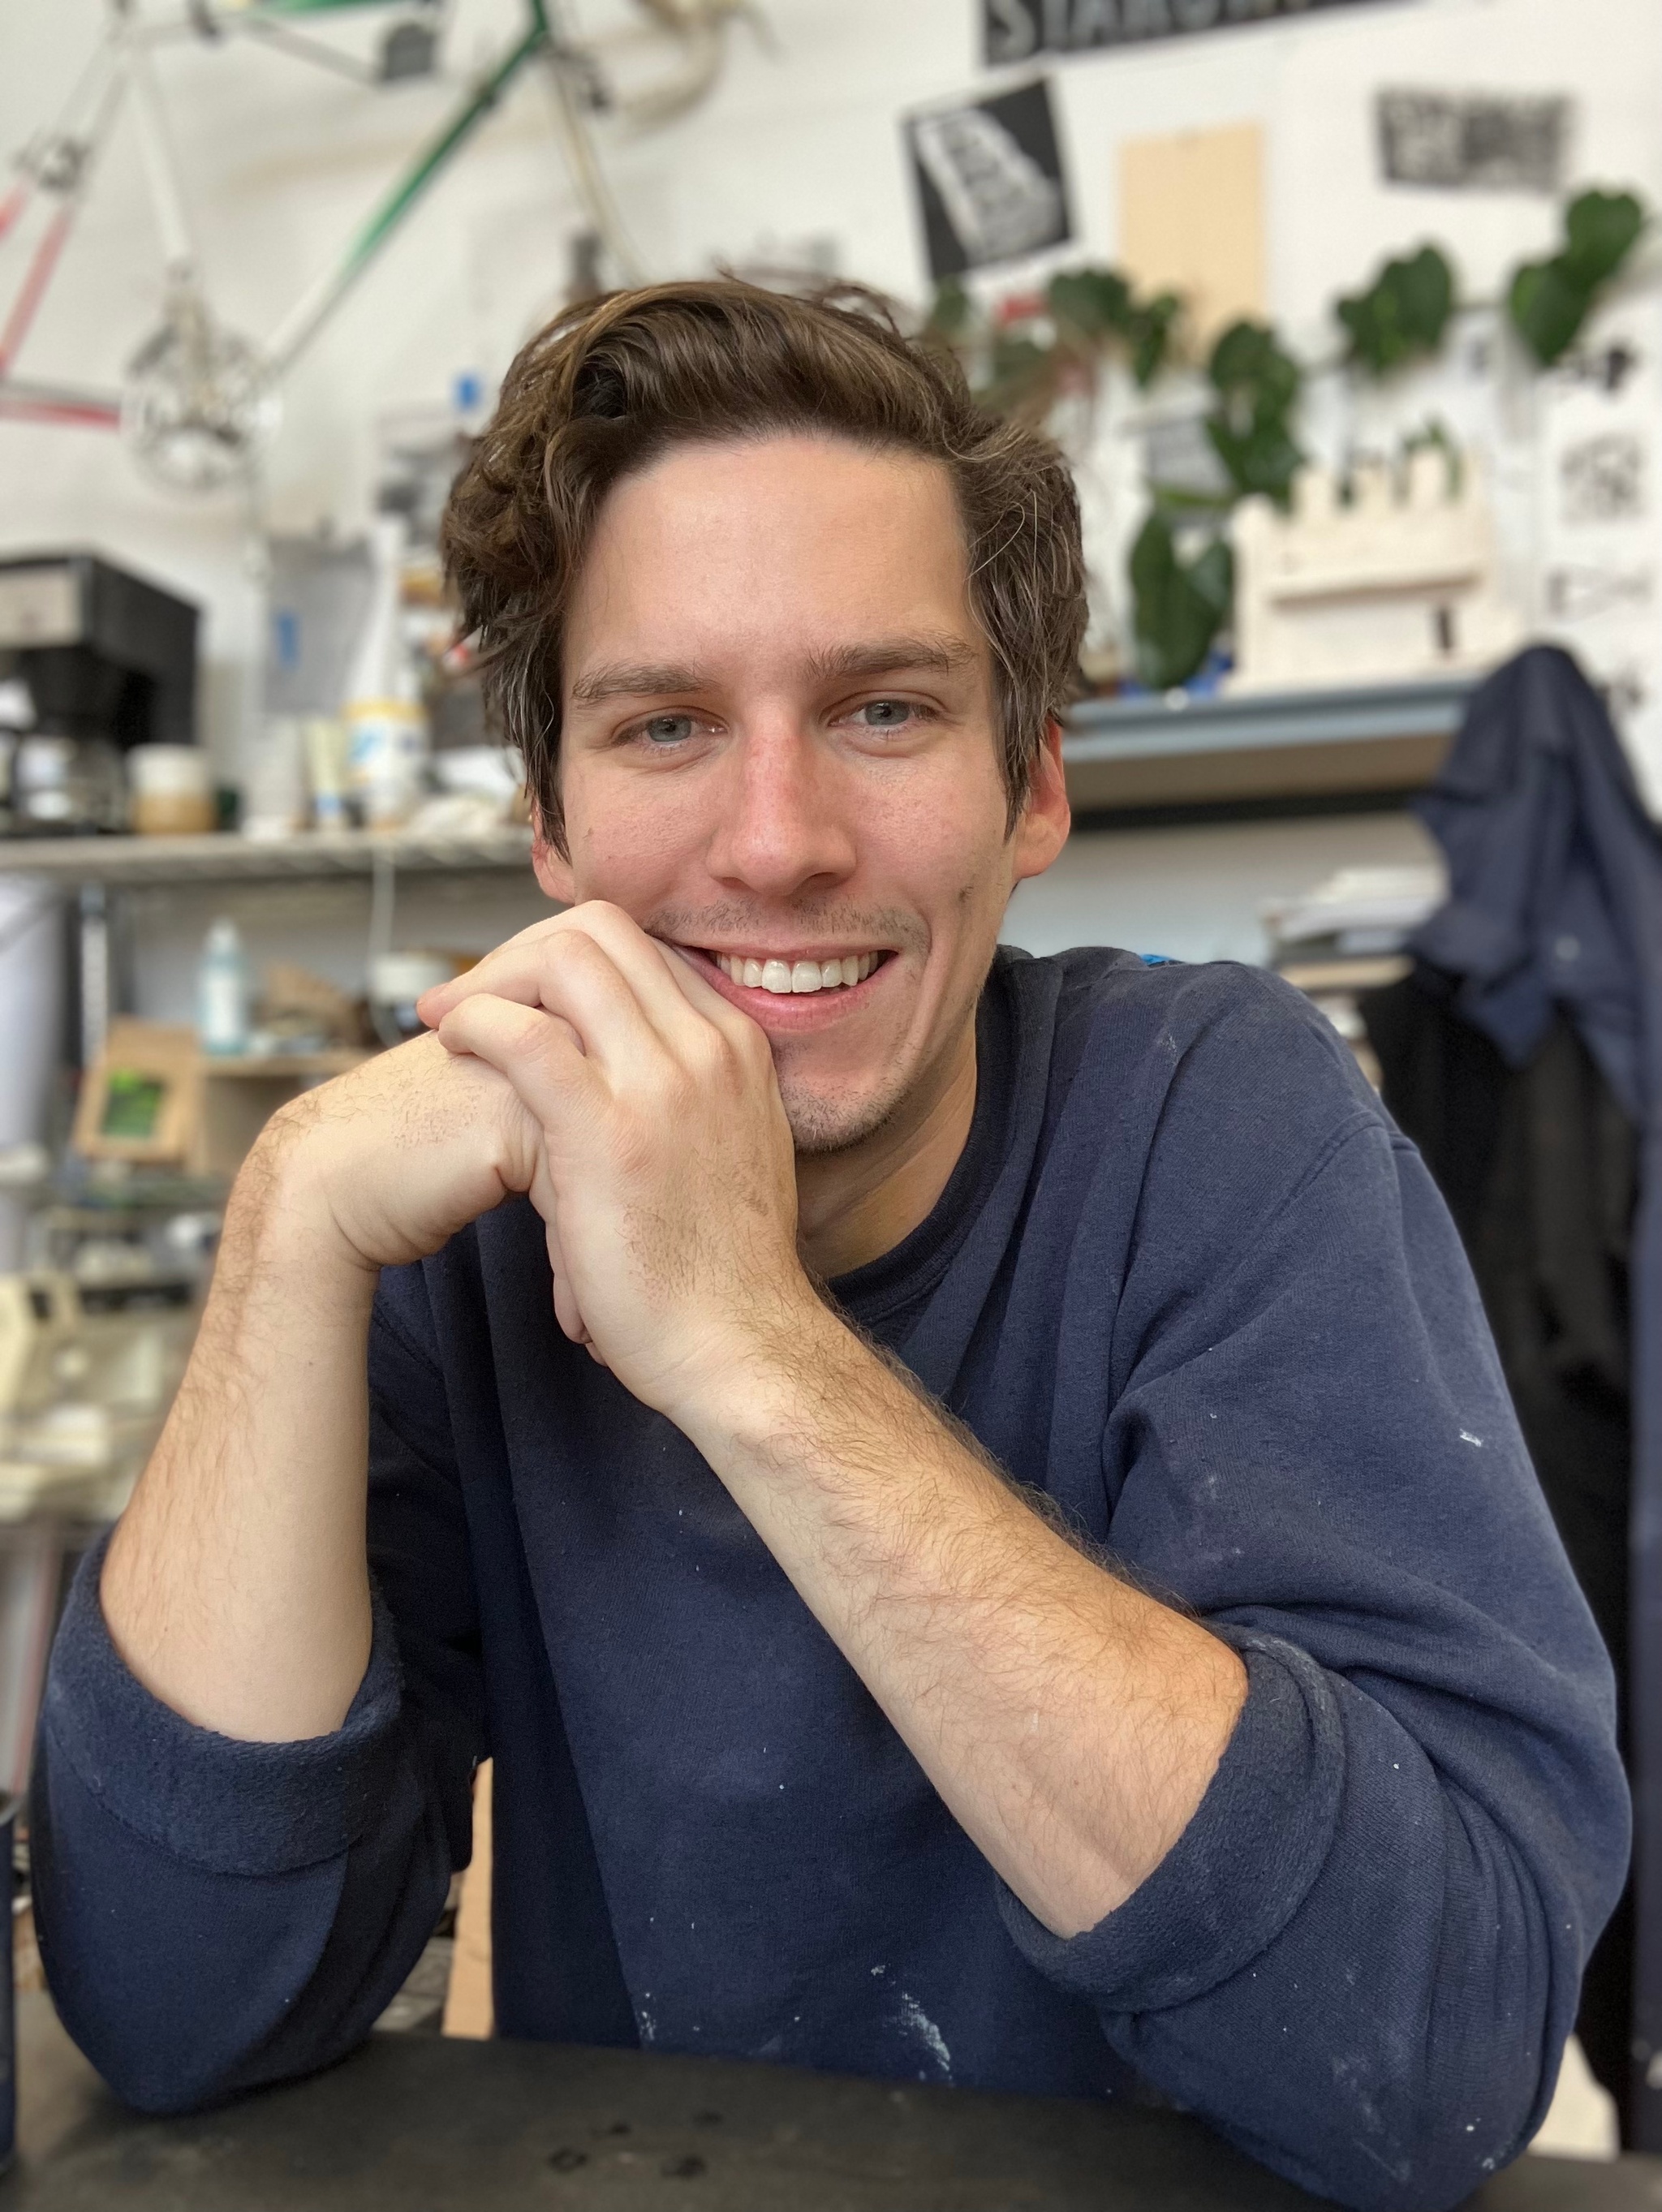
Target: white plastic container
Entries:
(222, 991)
(397, 980)
(387, 759)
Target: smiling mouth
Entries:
(789, 978)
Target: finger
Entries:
(439, 996)
(538, 1054)
(518, 968)
(704, 999)
(453, 1045)
(576, 978)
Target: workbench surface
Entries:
(418, 2123)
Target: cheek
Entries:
(947, 852)
(629, 843)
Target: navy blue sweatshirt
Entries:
(1189, 1281)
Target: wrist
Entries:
(283, 1228)
(764, 1377)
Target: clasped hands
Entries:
(663, 1165)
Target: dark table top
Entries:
(416, 2123)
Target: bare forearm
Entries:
(1070, 1722)
(236, 1587)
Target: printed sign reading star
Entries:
(1014, 30)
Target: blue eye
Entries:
(666, 729)
(887, 714)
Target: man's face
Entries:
(779, 754)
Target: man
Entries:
(969, 1498)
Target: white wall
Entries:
(1197, 892)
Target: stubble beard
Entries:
(822, 1124)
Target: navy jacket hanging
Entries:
(1555, 884)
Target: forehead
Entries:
(761, 544)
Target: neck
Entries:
(853, 1207)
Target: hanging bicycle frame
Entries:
(121, 75)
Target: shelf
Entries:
(217, 858)
(1258, 751)
(1124, 758)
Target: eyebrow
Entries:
(943, 655)
(627, 680)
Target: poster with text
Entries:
(1015, 30)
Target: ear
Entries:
(1046, 818)
(552, 870)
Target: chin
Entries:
(835, 1121)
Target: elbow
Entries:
(1391, 2150)
(156, 2063)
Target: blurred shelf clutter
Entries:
(1346, 936)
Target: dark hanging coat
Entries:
(1550, 947)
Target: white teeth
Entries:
(784, 976)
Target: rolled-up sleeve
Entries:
(1362, 1959)
(214, 1913)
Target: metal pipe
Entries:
(160, 175)
(297, 330)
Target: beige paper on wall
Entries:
(1191, 220)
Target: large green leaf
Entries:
(1265, 458)
(1257, 383)
(1150, 332)
(1600, 230)
(1248, 362)
(1404, 313)
(1549, 301)
(1179, 606)
(1096, 301)
(1548, 307)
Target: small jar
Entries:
(172, 792)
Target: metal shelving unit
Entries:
(1262, 752)
(221, 858)
(1124, 757)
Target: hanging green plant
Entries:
(1096, 310)
(1549, 301)
(1403, 314)
(1020, 362)
(1179, 604)
(1257, 383)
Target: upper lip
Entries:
(775, 952)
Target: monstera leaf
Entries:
(1097, 302)
(1549, 301)
(1179, 605)
(1257, 384)
(1404, 313)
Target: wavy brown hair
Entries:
(610, 385)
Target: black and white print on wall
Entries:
(1602, 478)
(1473, 142)
(990, 182)
(1013, 30)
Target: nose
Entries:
(784, 829)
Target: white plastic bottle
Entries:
(221, 991)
